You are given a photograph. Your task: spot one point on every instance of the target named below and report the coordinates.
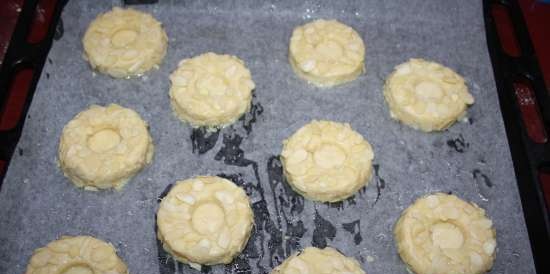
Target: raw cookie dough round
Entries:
(426, 95)
(441, 233)
(124, 43)
(211, 90)
(326, 53)
(76, 255)
(327, 161)
(205, 220)
(315, 260)
(104, 147)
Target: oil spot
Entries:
(294, 232)
(59, 30)
(231, 152)
(47, 75)
(483, 184)
(20, 151)
(266, 236)
(203, 140)
(164, 192)
(239, 265)
(50, 61)
(288, 205)
(340, 205)
(355, 229)
(458, 144)
(323, 230)
(167, 264)
(380, 182)
(256, 109)
(481, 177)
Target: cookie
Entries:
(205, 220)
(327, 161)
(211, 90)
(124, 43)
(315, 260)
(104, 147)
(426, 95)
(326, 53)
(76, 255)
(440, 233)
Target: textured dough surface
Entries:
(441, 233)
(104, 147)
(326, 53)
(76, 255)
(211, 90)
(124, 43)
(327, 161)
(205, 220)
(426, 95)
(313, 260)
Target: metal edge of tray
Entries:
(528, 157)
(22, 54)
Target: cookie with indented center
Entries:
(426, 95)
(314, 260)
(441, 233)
(104, 147)
(76, 255)
(211, 90)
(205, 220)
(326, 53)
(124, 43)
(327, 161)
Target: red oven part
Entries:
(9, 12)
(537, 17)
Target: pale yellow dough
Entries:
(426, 95)
(124, 43)
(441, 233)
(104, 147)
(327, 161)
(76, 255)
(211, 90)
(326, 53)
(313, 260)
(205, 220)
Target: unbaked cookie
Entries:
(314, 260)
(205, 220)
(426, 95)
(76, 255)
(327, 161)
(124, 43)
(211, 90)
(326, 53)
(441, 233)
(104, 147)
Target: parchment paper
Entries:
(471, 160)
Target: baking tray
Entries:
(472, 159)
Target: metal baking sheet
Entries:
(472, 160)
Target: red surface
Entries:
(9, 12)
(10, 113)
(41, 21)
(17, 94)
(537, 17)
(530, 111)
(505, 30)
